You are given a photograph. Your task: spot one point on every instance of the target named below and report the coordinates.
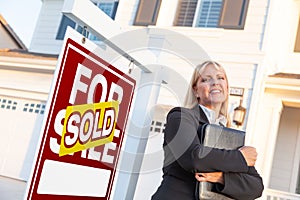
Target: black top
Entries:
(184, 155)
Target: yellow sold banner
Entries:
(88, 125)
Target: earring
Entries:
(197, 97)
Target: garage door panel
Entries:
(19, 131)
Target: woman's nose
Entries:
(214, 81)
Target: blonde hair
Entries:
(190, 98)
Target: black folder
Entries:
(212, 135)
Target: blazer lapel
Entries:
(199, 114)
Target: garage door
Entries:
(20, 123)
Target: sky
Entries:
(22, 16)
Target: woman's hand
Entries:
(213, 177)
(249, 154)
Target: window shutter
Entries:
(147, 12)
(233, 14)
(186, 12)
(297, 42)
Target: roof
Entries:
(286, 75)
(13, 35)
(21, 53)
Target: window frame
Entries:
(62, 28)
(65, 21)
(224, 9)
(198, 13)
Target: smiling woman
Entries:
(211, 88)
(187, 161)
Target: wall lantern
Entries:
(239, 114)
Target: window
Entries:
(147, 12)
(210, 13)
(157, 127)
(34, 108)
(8, 104)
(297, 42)
(186, 12)
(64, 23)
(230, 14)
(109, 7)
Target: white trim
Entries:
(100, 64)
(24, 94)
(283, 87)
(197, 12)
(31, 64)
(76, 10)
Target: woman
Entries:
(231, 171)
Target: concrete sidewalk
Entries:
(11, 189)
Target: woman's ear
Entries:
(195, 93)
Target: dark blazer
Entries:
(184, 156)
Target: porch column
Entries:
(265, 135)
(137, 135)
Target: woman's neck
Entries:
(215, 108)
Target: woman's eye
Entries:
(203, 80)
(221, 78)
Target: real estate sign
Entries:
(83, 127)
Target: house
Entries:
(9, 39)
(22, 101)
(257, 41)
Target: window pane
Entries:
(147, 12)
(186, 12)
(209, 13)
(234, 14)
(65, 22)
(107, 8)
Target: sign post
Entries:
(83, 127)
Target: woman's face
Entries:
(211, 86)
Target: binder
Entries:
(212, 135)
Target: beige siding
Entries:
(126, 12)
(46, 29)
(20, 80)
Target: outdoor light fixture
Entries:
(239, 114)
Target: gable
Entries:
(8, 38)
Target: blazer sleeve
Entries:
(246, 186)
(181, 140)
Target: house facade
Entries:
(22, 101)
(257, 41)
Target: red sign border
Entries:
(37, 169)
